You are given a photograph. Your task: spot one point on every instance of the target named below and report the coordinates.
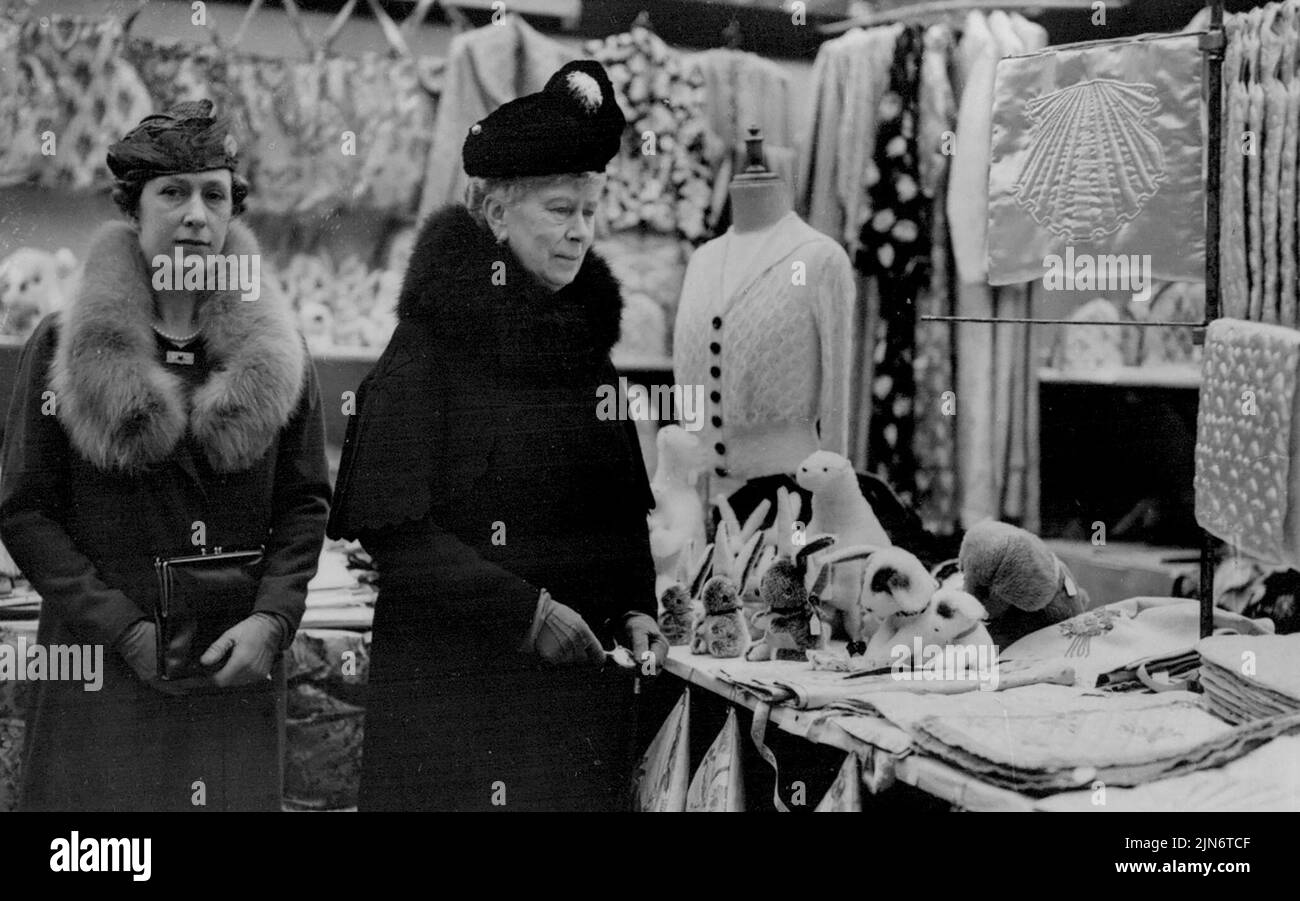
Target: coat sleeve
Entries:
(634, 570)
(300, 507)
(391, 471)
(33, 503)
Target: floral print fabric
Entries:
(895, 249)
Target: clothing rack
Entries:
(1212, 44)
(915, 11)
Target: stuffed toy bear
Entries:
(840, 510)
(1022, 584)
(33, 283)
(679, 606)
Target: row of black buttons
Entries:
(716, 396)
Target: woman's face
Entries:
(551, 229)
(190, 210)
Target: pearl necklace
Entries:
(175, 340)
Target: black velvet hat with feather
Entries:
(572, 125)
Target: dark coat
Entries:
(477, 473)
(122, 474)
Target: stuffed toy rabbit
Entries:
(750, 601)
(722, 631)
(791, 622)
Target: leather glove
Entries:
(649, 647)
(252, 644)
(560, 635)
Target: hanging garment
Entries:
(394, 129)
(1254, 173)
(849, 76)
(937, 119)
(895, 249)
(869, 64)
(978, 53)
(28, 107)
(669, 189)
(1287, 180)
(174, 72)
(335, 132)
(97, 96)
(1234, 282)
(935, 441)
(282, 147)
(1247, 479)
(773, 355)
(486, 67)
(1098, 148)
(1275, 97)
(742, 90)
(1014, 442)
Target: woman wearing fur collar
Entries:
(506, 518)
(153, 421)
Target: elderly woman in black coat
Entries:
(157, 417)
(507, 520)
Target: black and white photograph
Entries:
(886, 407)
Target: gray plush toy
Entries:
(1022, 584)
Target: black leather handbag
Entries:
(200, 596)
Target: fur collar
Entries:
(449, 281)
(124, 411)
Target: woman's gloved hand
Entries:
(252, 644)
(649, 647)
(561, 636)
(139, 648)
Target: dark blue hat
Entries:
(572, 125)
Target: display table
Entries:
(885, 749)
(889, 752)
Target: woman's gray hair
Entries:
(512, 190)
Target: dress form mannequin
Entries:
(764, 327)
(759, 198)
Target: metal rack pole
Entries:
(1212, 44)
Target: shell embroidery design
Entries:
(1094, 161)
(1082, 629)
